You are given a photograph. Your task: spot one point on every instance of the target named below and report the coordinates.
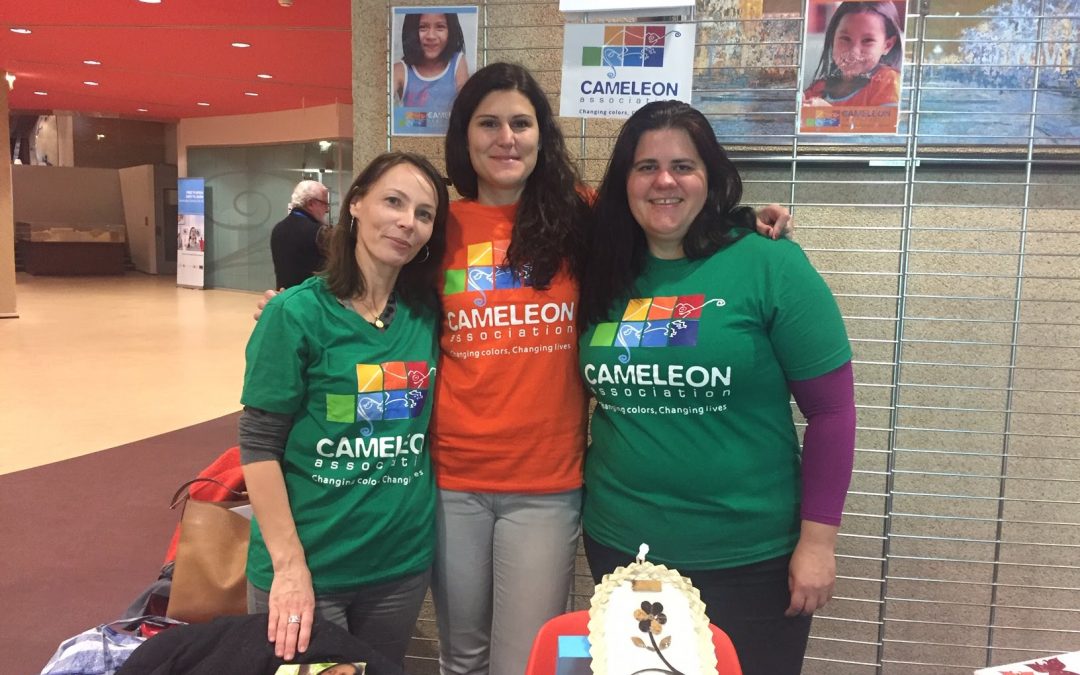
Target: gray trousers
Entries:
(382, 615)
(503, 567)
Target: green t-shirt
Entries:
(357, 464)
(694, 450)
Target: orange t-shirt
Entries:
(883, 88)
(510, 408)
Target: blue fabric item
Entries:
(574, 646)
(98, 651)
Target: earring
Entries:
(427, 254)
(352, 225)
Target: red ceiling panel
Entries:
(167, 57)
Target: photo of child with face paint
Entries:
(861, 58)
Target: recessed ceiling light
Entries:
(203, 103)
(101, 137)
(21, 31)
(265, 76)
(250, 93)
(140, 109)
(90, 83)
(241, 45)
(41, 93)
(92, 62)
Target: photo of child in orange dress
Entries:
(860, 66)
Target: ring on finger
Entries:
(294, 618)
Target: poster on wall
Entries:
(611, 70)
(853, 57)
(191, 232)
(433, 52)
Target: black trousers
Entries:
(746, 602)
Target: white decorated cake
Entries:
(646, 618)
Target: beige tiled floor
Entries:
(95, 362)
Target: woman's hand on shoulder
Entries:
(812, 571)
(291, 596)
(775, 221)
(261, 305)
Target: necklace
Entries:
(364, 308)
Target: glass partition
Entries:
(247, 193)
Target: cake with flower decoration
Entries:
(646, 618)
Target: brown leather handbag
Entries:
(210, 578)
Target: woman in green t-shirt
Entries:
(333, 437)
(693, 339)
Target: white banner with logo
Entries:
(611, 70)
(627, 7)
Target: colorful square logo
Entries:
(482, 272)
(661, 321)
(393, 390)
(633, 46)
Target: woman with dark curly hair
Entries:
(694, 338)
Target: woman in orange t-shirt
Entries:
(508, 433)
(508, 429)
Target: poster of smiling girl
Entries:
(853, 57)
(433, 52)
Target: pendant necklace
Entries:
(377, 321)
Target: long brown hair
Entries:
(548, 229)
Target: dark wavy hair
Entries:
(416, 280)
(548, 231)
(894, 58)
(413, 53)
(617, 245)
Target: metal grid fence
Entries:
(954, 251)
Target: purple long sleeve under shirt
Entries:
(828, 403)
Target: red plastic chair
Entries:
(544, 656)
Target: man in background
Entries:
(295, 242)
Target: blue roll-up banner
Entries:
(191, 233)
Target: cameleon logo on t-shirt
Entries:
(395, 390)
(667, 321)
(658, 322)
(481, 274)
